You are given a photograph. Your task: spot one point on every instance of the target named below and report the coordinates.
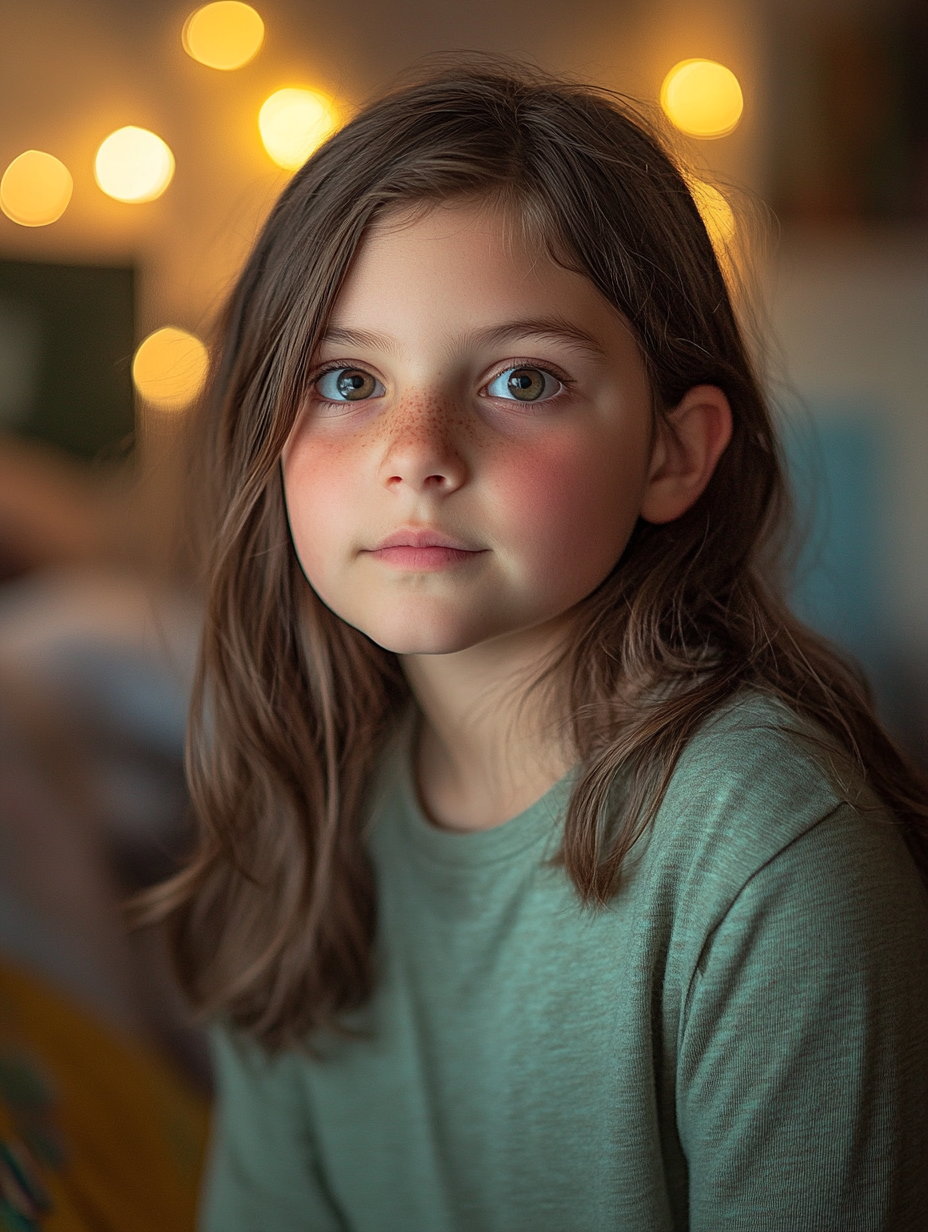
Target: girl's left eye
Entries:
(348, 385)
(524, 384)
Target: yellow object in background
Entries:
(293, 123)
(133, 165)
(223, 35)
(716, 213)
(702, 98)
(170, 367)
(112, 1135)
(35, 189)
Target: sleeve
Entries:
(263, 1175)
(802, 1084)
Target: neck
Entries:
(488, 745)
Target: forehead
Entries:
(461, 267)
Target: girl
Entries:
(552, 876)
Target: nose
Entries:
(421, 450)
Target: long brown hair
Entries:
(274, 917)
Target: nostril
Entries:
(428, 463)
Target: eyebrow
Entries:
(552, 328)
(556, 329)
(357, 337)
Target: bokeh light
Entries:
(35, 189)
(169, 368)
(295, 122)
(134, 165)
(702, 98)
(716, 213)
(224, 35)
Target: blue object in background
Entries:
(838, 462)
(836, 465)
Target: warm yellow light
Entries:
(716, 213)
(224, 35)
(169, 367)
(293, 123)
(133, 164)
(702, 98)
(35, 189)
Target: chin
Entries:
(410, 636)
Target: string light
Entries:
(35, 189)
(702, 98)
(293, 123)
(133, 165)
(169, 367)
(224, 35)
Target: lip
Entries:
(421, 550)
(413, 537)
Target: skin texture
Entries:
(537, 499)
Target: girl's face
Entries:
(475, 447)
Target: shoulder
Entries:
(755, 773)
(763, 833)
(754, 783)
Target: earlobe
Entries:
(690, 440)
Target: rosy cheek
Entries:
(569, 507)
(317, 482)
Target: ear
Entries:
(689, 442)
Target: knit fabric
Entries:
(738, 1041)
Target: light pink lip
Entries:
(410, 537)
(422, 550)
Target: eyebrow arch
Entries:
(553, 328)
(358, 338)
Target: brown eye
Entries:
(524, 385)
(348, 385)
(353, 384)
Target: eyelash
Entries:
(547, 369)
(335, 366)
(565, 381)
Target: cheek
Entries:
(318, 491)
(571, 507)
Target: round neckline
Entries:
(534, 825)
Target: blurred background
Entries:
(141, 145)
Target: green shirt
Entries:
(738, 1041)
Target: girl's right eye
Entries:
(348, 385)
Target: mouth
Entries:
(422, 551)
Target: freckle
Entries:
(430, 417)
